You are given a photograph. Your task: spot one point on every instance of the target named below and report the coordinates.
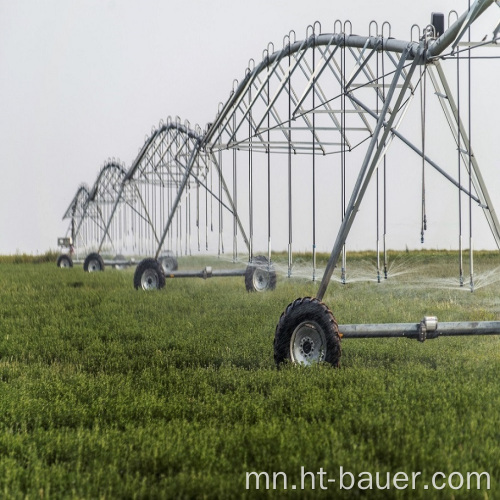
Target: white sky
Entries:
(85, 80)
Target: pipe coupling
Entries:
(427, 325)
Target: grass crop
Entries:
(109, 392)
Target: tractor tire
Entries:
(64, 260)
(168, 263)
(307, 333)
(93, 263)
(149, 275)
(260, 275)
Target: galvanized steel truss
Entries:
(324, 96)
(151, 206)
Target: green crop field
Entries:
(108, 392)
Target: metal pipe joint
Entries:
(428, 325)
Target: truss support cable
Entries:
(268, 150)
(162, 204)
(314, 165)
(423, 90)
(250, 182)
(206, 220)
(198, 214)
(471, 247)
(220, 249)
(377, 184)
(178, 216)
(189, 229)
(385, 172)
(179, 211)
(187, 238)
(289, 173)
(211, 200)
(385, 221)
(377, 216)
(169, 205)
(235, 200)
(459, 145)
(343, 157)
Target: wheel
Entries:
(64, 260)
(168, 262)
(119, 257)
(93, 262)
(149, 275)
(307, 333)
(260, 275)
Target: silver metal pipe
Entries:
(413, 330)
(458, 28)
(354, 41)
(206, 273)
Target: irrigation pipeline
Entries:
(206, 273)
(428, 328)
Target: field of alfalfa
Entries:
(109, 392)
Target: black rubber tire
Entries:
(260, 275)
(168, 263)
(64, 260)
(301, 315)
(93, 262)
(149, 272)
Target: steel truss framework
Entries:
(151, 207)
(77, 212)
(332, 93)
(89, 209)
(324, 96)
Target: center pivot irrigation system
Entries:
(331, 104)
(152, 207)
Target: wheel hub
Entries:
(149, 280)
(306, 346)
(167, 264)
(94, 266)
(308, 343)
(261, 279)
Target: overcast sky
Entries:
(85, 80)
